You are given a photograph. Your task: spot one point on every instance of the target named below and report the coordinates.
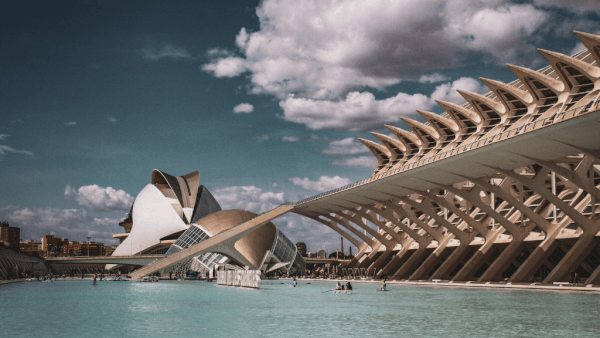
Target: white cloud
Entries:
(358, 111)
(75, 224)
(361, 111)
(290, 139)
(97, 198)
(503, 31)
(324, 183)
(70, 123)
(230, 66)
(217, 53)
(346, 146)
(432, 78)
(112, 119)
(241, 40)
(261, 138)
(249, 198)
(6, 149)
(360, 161)
(246, 108)
(447, 91)
(167, 51)
(324, 49)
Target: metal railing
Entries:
(534, 125)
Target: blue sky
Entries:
(266, 98)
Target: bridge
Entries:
(138, 260)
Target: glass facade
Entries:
(285, 251)
(191, 236)
(209, 259)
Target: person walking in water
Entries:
(295, 282)
(95, 276)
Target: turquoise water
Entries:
(199, 309)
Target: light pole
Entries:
(88, 245)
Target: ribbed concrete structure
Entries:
(504, 186)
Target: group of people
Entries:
(574, 277)
(339, 286)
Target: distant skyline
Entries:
(265, 98)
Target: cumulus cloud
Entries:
(112, 119)
(358, 111)
(290, 139)
(324, 183)
(168, 51)
(432, 78)
(230, 66)
(447, 91)
(318, 57)
(75, 224)
(325, 49)
(246, 108)
(505, 32)
(261, 138)
(98, 199)
(361, 111)
(249, 198)
(346, 146)
(360, 161)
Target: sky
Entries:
(265, 98)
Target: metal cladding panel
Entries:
(171, 181)
(205, 204)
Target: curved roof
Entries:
(153, 218)
(205, 204)
(252, 246)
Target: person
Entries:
(576, 278)
(343, 288)
(95, 276)
(572, 279)
(348, 286)
(338, 286)
(295, 282)
(383, 285)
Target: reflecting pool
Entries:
(198, 309)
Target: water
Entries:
(199, 309)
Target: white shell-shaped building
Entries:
(172, 213)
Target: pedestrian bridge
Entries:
(139, 260)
